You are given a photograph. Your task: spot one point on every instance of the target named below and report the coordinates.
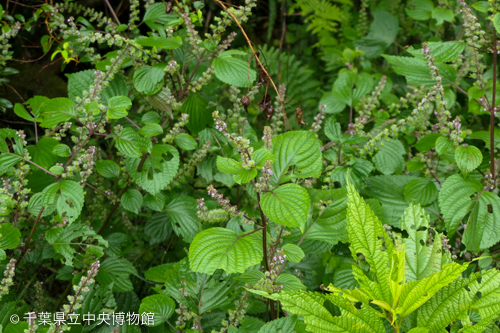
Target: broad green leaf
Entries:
(389, 159)
(199, 111)
(299, 148)
(6, 204)
(421, 191)
(220, 248)
(442, 14)
(286, 324)
(244, 176)
(165, 43)
(260, 156)
(482, 6)
(118, 107)
(151, 130)
(147, 79)
(20, 110)
(332, 130)
(108, 168)
(289, 282)
(62, 150)
(228, 165)
(43, 152)
(442, 52)
(182, 213)
(417, 73)
(423, 10)
(156, 17)
(427, 142)
(444, 145)
(116, 270)
(154, 202)
(132, 201)
(70, 198)
(421, 260)
(416, 293)
(454, 199)
(483, 225)
(158, 228)
(468, 158)
(9, 236)
(57, 170)
(160, 305)
(67, 240)
(233, 71)
(80, 82)
(293, 252)
(56, 111)
(383, 31)
(287, 205)
(349, 87)
(130, 143)
(185, 141)
(158, 169)
(496, 22)
(367, 236)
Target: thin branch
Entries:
(112, 11)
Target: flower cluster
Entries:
(8, 276)
(318, 119)
(262, 185)
(176, 129)
(367, 105)
(223, 202)
(188, 169)
(83, 165)
(210, 216)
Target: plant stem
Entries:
(264, 235)
(25, 249)
(492, 111)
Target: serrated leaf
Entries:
(62, 150)
(389, 159)
(287, 205)
(421, 260)
(293, 252)
(220, 248)
(108, 168)
(233, 71)
(260, 156)
(423, 10)
(383, 31)
(20, 110)
(421, 191)
(151, 130)
(161, 306)
(442, 14)
(483, 226)
(199, 111)
(165, 43)
(228, 165)
(332, 130)
(56, 111)
(116, 270)
(9, 236)
(441, 51)
(156, 17)
(454, 199)
(299, 148)
(427, 142)
(158, 169)
(130, 143)
(417, 73)
(289, 282)
(118, 107)
(132, 201)
(147, 79)
(468, 158)
(443, 145)
(70, 198)
(182, 213)
(286, 324)
(244, 176)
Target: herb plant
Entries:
(294, 166)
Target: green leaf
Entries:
(244, 176)
(9, 236)
(299, 148)
(482, 6)
(220, 248)
(421, 191)
(332, 130)
(154, 203)
(423, 10)
(165, 43)
(287, 205)
(286, 324)
(427, 142)
(158, 169)
(118, 107)
(108, 168)
(383, 31)
(289, 282)
(56, 111)
(441, 51)
(367, 236)
(132, 201)
(116, 270)
(483, 225)
(421, 260)
(417, 73)
(70, 198)
(260, 156)
(389, 159)
(293, 252)
(182, 213)
(468, 158)
(62, 150)
(185, 141)
(350, 87)
(151, 130)
(199, 111)
(233, 71)
(130, 143)
(454, 199)
(43, 152)
(20, 110)
(156, 17)
(79, 82)
(160, 305)
(442, 14)
(147, 79)
(444, 145)
(228, 165)
(57, 169)
(158, 228)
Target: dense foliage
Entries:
(190, 166)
